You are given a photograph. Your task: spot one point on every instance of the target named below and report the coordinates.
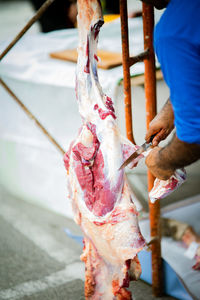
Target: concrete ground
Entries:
(38, 261)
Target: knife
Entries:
(139, 151)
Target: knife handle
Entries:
(152, 137)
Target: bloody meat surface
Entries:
(101, 198)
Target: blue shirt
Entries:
(177, 45)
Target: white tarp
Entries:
(30, 166)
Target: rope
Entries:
(37, 15)
(31, 116)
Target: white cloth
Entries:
(29, 60)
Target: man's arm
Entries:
(162, 162)
(161, 125)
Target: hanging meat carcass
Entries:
(101, 198)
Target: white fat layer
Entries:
(106, 130)
(114, 234)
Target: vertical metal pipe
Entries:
(150, 95)
(126, 70)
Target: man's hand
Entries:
(162, 162)
(162, 124)
(153, 163)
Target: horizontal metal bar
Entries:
(31, 116)
(37, 15)
(140, 57)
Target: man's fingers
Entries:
(156, 139)
(151, 132)
(152, 162)
(159, 137)
(155, 142)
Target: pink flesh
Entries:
(172, 184)
(96, 57)
(87, 66)
(105, 113)
(101, 199)
(98, 195)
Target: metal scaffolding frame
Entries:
(150, 93)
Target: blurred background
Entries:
(37, 259)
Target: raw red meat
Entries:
(101, 198)
(163, 188)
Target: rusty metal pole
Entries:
(150, 95)
(126, 70)
(37, 15)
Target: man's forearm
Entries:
(178, 154)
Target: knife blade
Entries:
(139, 151)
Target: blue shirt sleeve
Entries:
(177, 45)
